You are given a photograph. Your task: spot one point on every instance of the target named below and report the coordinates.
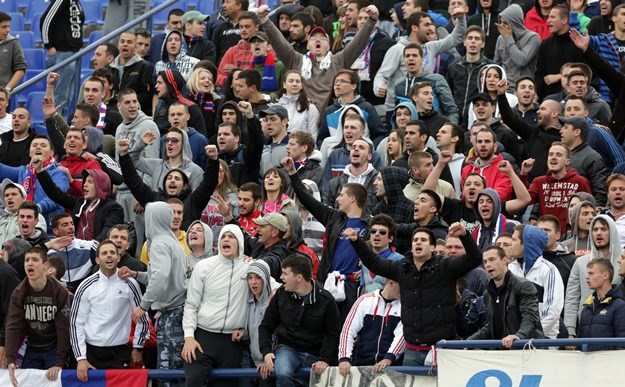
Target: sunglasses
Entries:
(173, 140)
(378, 231)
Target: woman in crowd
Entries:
(274, 197)
(202, 92)
(303, 115)
(395, 147)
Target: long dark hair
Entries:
(303, 102)
(228, 91)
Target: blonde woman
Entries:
(202, 91)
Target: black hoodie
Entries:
(176, 88)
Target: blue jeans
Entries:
(288, 361)
(64, 88)
(39, 360)
(414, 358)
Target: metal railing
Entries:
(85, 50)
(583, 344)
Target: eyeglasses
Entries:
(337, 81)
(173, 140)
(378, 231)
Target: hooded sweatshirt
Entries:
(168, 269)
(256, 308)
(575, 244)
(158, 168)
(85, 228)
(335, 128)
(545, 277)
(495, 179)
(517, 53)
(218, 291)
(182, 62)
(577, 290)
(483, 235)
(208, 243)
(176, 88)
(512, 99)
(138, 75)
(296, 241)
(552, 194)
(95, 147)
(11, 59)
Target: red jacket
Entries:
(495, 179)
(553, 195)
(75, 165)
(535, 22)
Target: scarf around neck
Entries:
(269, 71)
(307, 64)
(30, 180)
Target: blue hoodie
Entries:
(413, 112)
(534, 243)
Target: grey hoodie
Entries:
(183, 62)
(577, 290)
(168, 269)
(256, 308)
(158, 168)
(11, 59)
(208, 243)
(517, 54)
(575, 244)
(132, 132)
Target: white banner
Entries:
(529, 368)
(365, 377)
(28, 377)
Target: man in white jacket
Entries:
(528, 244)
(215, 310)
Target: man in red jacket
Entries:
(553, 190)
(74, 162)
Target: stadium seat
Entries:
(34, 7)
(26, 38)
(9, 5)
(33, 105)
(35, 57)
(207, 7)
(22, 96)
(94, 35)
(17, 20)
(85, 61)
(93, 12)
(160, 18)
(36, 28)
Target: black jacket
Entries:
(311, 326)
(538, 140)
(244, 162)
(225, 35)
(437, 225)
(194, 201)
(433, 121)
(521, 317)
(273, 256)
(563, 261)
(554, 51)
(61, 25)
(107, 214)
(509, 140)
(462, 77)
(7, 138)
(8, 283)
(139, 77)
(380, 44)
(200, 48)
(333, 220)
(428, 295)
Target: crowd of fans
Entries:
(326, 183)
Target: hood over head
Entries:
(208, 239)
(513, 15)
(261, 269)
(187, 153)
(483, 70)
(185, 180)
(236, 230)
(101, 180)
(158, 220)
(491, 193)
(413, 112)
(183, 46)
(342, 115)
(395, 180)
(176, 86)
(534, 243)
(615, 245)
(232, 106)
(583, 196)
(95, 142)
(295, 222)
(574, 221)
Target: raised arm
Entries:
(321, 212)
(54, 192)
(522, 194)
(508, 116)
(383, 267)
(141, 191)
(432, 180)
(459, 266)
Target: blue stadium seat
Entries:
(33, 105)
(208, 7)
(35, 57)
(36, 28)
(85, 61)
(22, 96)
(93, 12)
(26, 38)
(9, 6)
(17, 20)
(34, 7)
(160, 18)
(94, 35)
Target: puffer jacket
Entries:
(603, 318)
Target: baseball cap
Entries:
(258, 35)
(318, 30)
(577, 123)
(10, 183)
(275, 109)
(483, 97)
(274, 219)
(194, 15)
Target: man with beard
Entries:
(249, 198)
(486, 164)
(616, 197)
(484, 109)
(301, 25)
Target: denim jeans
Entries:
(414, 358)
(64, 88)
(39, 360)
(288, 361)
